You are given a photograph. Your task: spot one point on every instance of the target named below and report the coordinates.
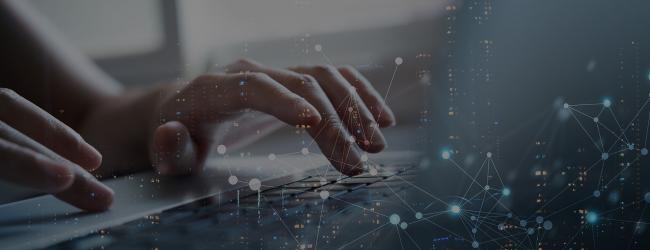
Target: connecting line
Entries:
(381, 111)
(645, 143)
(362, 236)
(632, 120)
(585, 130)
(422, 190)
(620, 172)
(352, 204)
(283, 224)
(319, 225)
(399, 236)
(413, 241)
(400, 198)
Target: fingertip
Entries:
(88, 194)
(91, 158)
(175, 151)
(386, 118)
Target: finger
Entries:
(373, 100)
(258, 91)
(330, 134)
(47, 130)
(24, 167)
(174, 150)
(349, 106)
(85, 192)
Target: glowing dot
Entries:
(539, 219)
(630, 146)
(501, 227)
(403, 225)
(591, 217)
(324, 194)
(455, 209)
(607, 103)
(272, 157)
(596, 193)
(489, 154)
(566, 105)
(318, 47)
(596, 119)
(418, 215)
(646, 197)
(474, 230)
(351, 138)
(644, 151)
(548, 225)
(394, 219)
(255, 184)
(232, 180)
(523, 223)
(505, 192)
(487, 187)
(364, 157)
(399, 60)
(373, 172)
(604, 156)
(221, 149)
(446, 155)
(304, 151)
(474, 244)
(530, 231)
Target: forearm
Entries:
(38, 63)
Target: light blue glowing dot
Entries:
(455, 209)
(644, 151)
(403, 225)
(604, 156)
(472, 217)
(530, 231)
(596, 193)
(596, 119)
(523, 223)
(591, 217)
(394, 219)
(446, 154)
(630, 146)
(418, 215)
(474, 230)
(607, 103)
(548, 225)
(566, 105)
(509, 215)
(539, 219)
(646, 197)
(475, 244)
(505, 191)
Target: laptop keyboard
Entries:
(292, 204)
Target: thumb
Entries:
(174, 151)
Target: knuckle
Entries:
(306, 82)
(7, 94)
(255, 76)
(324, 69)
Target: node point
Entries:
(394, 219)
(272, 157)
(596, 119)
(474, 244)
(418, 215)
(604, 156)
(505, 192)
(232, 180)
(373, 172)
(403, 225)
(304, 151)
(523, 223)
(221, 149)
(489, 154)
(539, 219)
(548, 225)
(455, 209)
(324, 194)
(530, 231)
(399, 60)
(318, 47)
(255, 184)
(364, 157)
(591, 217)
(644, 151)
(566, 105)
(607, 103)
(596, 193)
(646, 197)
(446, 154)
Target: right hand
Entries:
(39, 152)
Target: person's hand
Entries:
(337, 106)
(39, 152)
